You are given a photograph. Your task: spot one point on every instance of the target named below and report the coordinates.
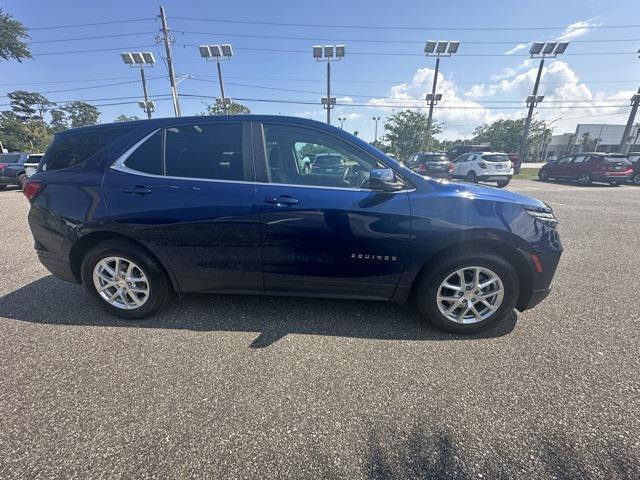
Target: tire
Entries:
(503, 183)
(584, 179)
(543, 175)
(2, 187)
(156, 282)
(636, 179)
(21, 178)
(471, 177)
(429, 285)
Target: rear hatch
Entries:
(618, 165)
(433, 164)
(496, 163)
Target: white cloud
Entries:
(344, 99)
(517, 48)
(577, 29)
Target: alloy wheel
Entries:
(470, 295)
(121, 283)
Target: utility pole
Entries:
(328, 92)
(439, 48)
(624, 142)
(167, 48)
(538, 50)
(376, 119)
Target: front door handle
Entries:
(282, 200)
(136, 190)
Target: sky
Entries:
(384, 68)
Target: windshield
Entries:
(495, 158)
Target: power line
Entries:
(92, 37)
(93, 50)
(52, 27)
(377, 40)
(95, 86)
(389, 27)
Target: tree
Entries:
(588, 143)
(506, 135)
(58, 121)
(126, 118)
(81, 114)
(234, 108)
(29, 106)
(12, 35)
(406, 132)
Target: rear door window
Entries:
(10, 157)
(70, 149)
(209, 151)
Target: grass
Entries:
(527, 174)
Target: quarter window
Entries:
(210, 151)
(147, 158)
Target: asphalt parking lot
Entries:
(252, 387)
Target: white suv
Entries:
(483, 166)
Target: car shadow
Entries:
(54, 302)
(571, 183)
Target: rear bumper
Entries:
(536, 297)
(612, 177)
(58, 268)
(495, 177)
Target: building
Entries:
(603, 137)
(559, 145)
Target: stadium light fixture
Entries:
(328, 53)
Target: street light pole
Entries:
(376, 119)
(527, 121)
(440, 49)
(539, 50)
(326, 54)
(328, 92)
(432, 101)
(146, 97)
(224, 100)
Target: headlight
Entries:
(544, 217)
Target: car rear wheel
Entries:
(472, 177)
(503, 183)
(584, 179)
(543, 175)
(21, 178)
(125, 280)
(468, 293)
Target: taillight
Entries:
(3, 166)
(32, 188)
(422, 168)
(450, 167)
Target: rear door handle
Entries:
(136, 190)
(282, 200)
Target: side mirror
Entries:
(383, 180)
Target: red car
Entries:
(611, 168)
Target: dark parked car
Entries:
(586, 168)
(12, 169)
(329, 164)
(139, 211)
(432, 164)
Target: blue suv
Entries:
(139, 211)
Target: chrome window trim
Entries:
(119, 165)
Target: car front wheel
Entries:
(543, 175)
(584, 179)
(471, 177)
(125, 280)
(468, 293)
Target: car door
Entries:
(187, 192)
(460, 165)
(576, 167)
(326, 234)
(560, 169)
